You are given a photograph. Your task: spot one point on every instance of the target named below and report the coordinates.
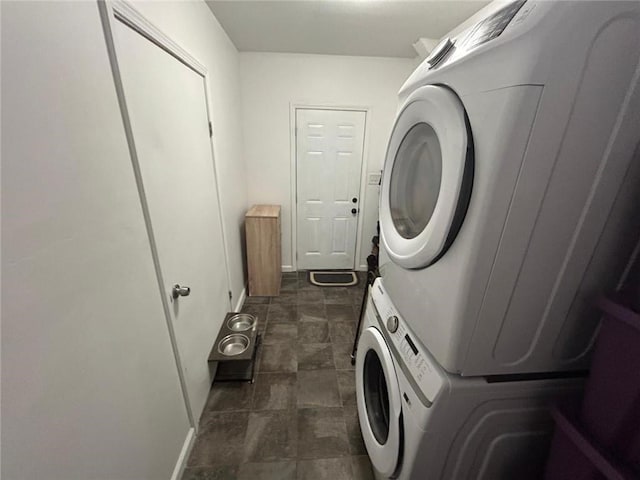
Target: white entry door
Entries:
(329, 146)
(167, 106)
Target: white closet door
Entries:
(166, 101)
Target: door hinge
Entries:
(230, 295)
(210, 130)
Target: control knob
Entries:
(392, 323)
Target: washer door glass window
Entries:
(415, 180)
(427, 178)
(376, 397)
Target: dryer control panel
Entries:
(413, 358)
(492, 26)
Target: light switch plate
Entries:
(374, 178)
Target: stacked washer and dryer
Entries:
(509, 201)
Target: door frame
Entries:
(112, 11)
(293, 154)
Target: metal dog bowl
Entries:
(234, 344)
(241, 322)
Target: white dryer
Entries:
(420, 422)
(510, 186)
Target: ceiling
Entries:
(380, 28)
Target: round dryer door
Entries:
(379, 403)
(428, 173)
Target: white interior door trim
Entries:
(111, 12)
(126, 13)
(293, 174)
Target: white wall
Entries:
(89, 382)
(192, 25)
(271, 82)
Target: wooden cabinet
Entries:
(264, 252)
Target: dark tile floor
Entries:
(299, 419)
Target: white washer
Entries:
(510, 185)
(419, 422)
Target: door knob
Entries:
(354, 211)
(354, 200)
(179, 291)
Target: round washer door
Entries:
(379, 403)
(427, 177)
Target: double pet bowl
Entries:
(235, 348)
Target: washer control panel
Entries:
(414, 357)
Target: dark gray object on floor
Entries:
(333, 279)
(235, 347)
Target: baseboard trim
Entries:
(184, 455)
(241, 299)
(288, 268)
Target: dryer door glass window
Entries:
(376, 397)
(415, 180)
